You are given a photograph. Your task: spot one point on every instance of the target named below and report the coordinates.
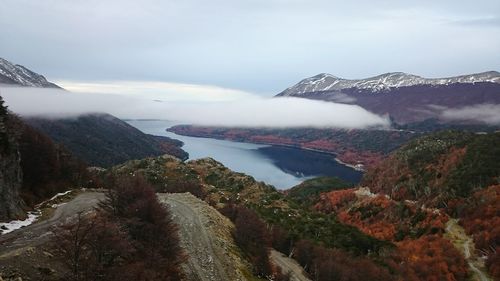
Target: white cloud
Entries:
(155, 90)
(247, 110)
(486, 113)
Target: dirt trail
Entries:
(40, 232)
(206, 236)
(456, 234)
(289, 265)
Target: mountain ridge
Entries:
(103, 140)
(15, 74)
(406, 98)
(326, 82)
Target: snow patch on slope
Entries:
(7, 227)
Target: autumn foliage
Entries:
(481, 219)
(431, 258)
(421, 253)
(381, 217)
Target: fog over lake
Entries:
(282, 167)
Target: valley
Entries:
(360, 149)
(142, 199)
(282, 167)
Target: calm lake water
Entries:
(282, 167)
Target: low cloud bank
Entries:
(486, 113)
(248, 111)
(166, 91)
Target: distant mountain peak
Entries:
(327, 82)
(16, 74)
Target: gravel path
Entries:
(40, 232)
(205, 235)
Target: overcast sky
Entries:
(253, 46)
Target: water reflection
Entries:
(280, 166)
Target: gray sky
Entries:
(256, 46)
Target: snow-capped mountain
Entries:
(15, 74)
(327, 82)
(405, 97)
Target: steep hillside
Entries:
(218, 185)
(436, 168)
(417, 193)
(479, 215)
(10, 168)
(104, 140)
(15, 74)
(33, 167)
(416, 231)
(406, 98)
(292, 228)
(206, 235)
(414, 246)
(48, 167)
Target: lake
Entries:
(283, 167)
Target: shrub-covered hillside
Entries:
(104, 140)
(436, 168)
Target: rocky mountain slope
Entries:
(104, 140)
(439, 167)
(406, 98)
(15, 74)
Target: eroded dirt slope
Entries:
(206, 237)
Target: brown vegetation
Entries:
(422, 254)
(251, 236)
(480, 217)
(431, 258)
(333, 264)
(130, 237)
(47, 167)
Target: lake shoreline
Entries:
(279, 165)
(355, 167)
